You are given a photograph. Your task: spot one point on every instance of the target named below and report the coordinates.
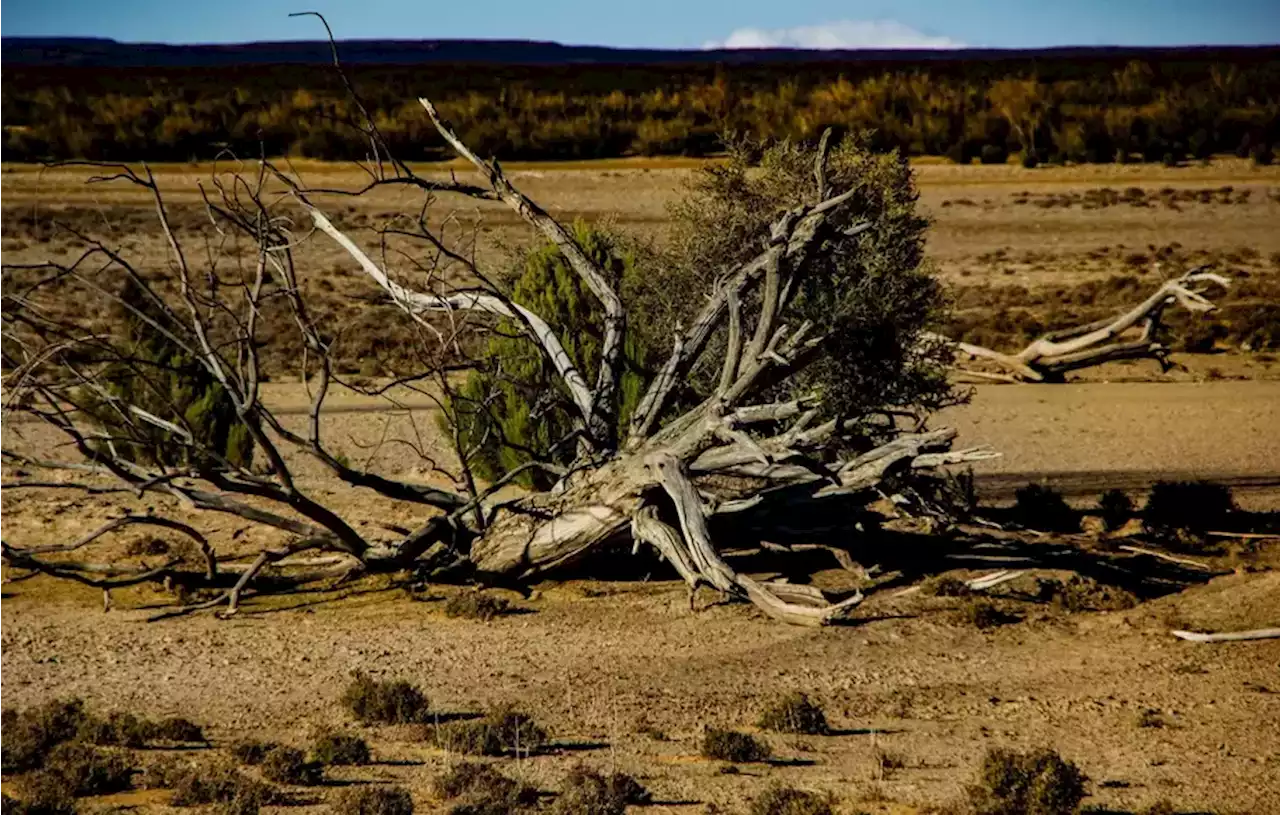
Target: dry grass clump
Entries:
(42, 794)
(732, 745)
(384, 701)
(390, 800)
(176, 729)
(218, 783)
(340, 749)
(795, 713)
(587, 792)
(289, 765)
(1040, 782)
(945, 585)
(480, 789)
(790, 801)
(87, 770)
(503, 731)
(474, 605)
(128, 730)
(1081, 593)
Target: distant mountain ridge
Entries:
(87, 52)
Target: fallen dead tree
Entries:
(798, 383)
(1132, 335)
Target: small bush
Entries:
(119, 729)
(888, 761)
(1116, 508)
(982, 615)
(252, 752)
(587, 792)
(1084, 594)
(473, 605)
(340, 749)
(1161, 807)
(1036, 783)
(1181, 510)
(795, 713)
(387, 702)
(30, 734)
(219, 783)
(993, 154)
(503, 731)
(1263, 156)
(731, 745)
(88, 770)
(42, 794)
(389, 800)
(176, 729)
(289, 765)
(791, 801)
(946, 586)
(1041, 507)
(1030, 160)
(480, 789)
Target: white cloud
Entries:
(841, 34)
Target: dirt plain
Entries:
(625, 675)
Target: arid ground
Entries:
(623, 673)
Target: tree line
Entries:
(1036, 110)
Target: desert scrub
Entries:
(87, 770)
(384, 701)
(482, 789)
(1115, 507)
(1182, 511)
(983, 615)
(795, 713)
(289, 765)
(474, 605)
(30, 734)
(731, 745)
(175, 729)
(587, 792)
(389, 800)
(41, 794)
(252, 752)
(1084, 594)
(945, 585)
(340, 749)
(1041, 507)
(1040, 782)
(218, 783)
(790, 801)
(502, 731)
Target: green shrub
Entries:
(731, 745)
(518, 409)
(1041, 507)
(474, 605)
(587, 792)
(795, 713)
(389, 800)
(340, 749)
(383, 701)
(289, 765)
(502, 731)
(1036, 783)
(170, 383)
(1178, 510)
(778, 800)
(1116, 508)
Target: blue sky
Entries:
(668, 23)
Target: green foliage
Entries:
(1037, 783)
(731, 745)
(874, 295)
(384, 702)
(158, 376)
(517, 409)
(795, 713)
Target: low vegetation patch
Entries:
(289, 765)
(87, 770)
(587, 792)
(732, 745)
(501, 732)
(1081, 593)
(480, 789)
(42, 794)
(1040, 782)
(384, 701)
(218, 783)
(1115, 507)
(791, 801)
(1182, 511)
(340, 749)
(945, 585)
(795, 713)
(1041, 507)
(474, 605)
(389, 800)
(983, 615)
(30, 734)
(252, 752)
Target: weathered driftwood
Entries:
(1229, 636)
(1057, 352)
